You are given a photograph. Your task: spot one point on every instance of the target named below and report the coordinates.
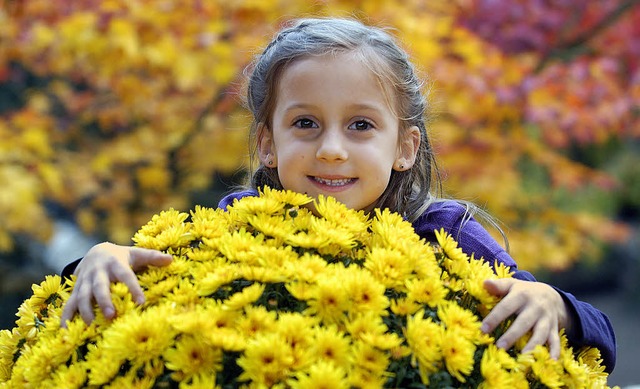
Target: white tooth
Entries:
(333, 182)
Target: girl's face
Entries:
(333, 132)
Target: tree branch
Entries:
(571, 46)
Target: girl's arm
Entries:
(105, 263)
(541, 308)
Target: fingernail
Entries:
(140, 300)
(501, 344)
(484, 328)
(109, 312)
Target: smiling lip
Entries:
(332, 183)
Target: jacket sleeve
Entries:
(592, 327)
(70, 268)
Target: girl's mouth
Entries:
(333, 182)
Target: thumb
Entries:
(499, 287)
(140, 258)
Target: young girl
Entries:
(338, 110)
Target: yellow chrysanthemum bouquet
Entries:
(266, 294)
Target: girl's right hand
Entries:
(105, 263)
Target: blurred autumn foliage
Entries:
(113, 110)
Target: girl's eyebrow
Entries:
(357, 106)
(298, 106)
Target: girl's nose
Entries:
(331, 146)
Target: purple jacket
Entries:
(592, 327)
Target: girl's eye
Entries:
(361, 125)
(305, 123)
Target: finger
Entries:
(517, 330)
(85, 303)
(554, 344)
(499, 287)
(128, 277)
(68, 311)
(502, 311)
(102, 296)
(539, 336)
(141, 257)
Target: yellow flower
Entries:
(275, 257)
(404, 307)
(306, 269)
(152, 275)
(185, 293)
(392, 231)
(336, 238)
(461, 321)
(72, 376)
(369, 328)
(167, 229)
(474, 285)
(363, 379)
(458, 353)
(546, 369)
(289, 299)
(424, 337)
(428, 291)
(250, 206)
(389, 267)
(354, 223)
(321, 375)
(213, 281)
(266, 360)
(203, 253)
(255, 320)
(271, 226)
(37, 363)
(331, 345)
(365, 292)
(190, 357)
(244, 298)
(155, 293)
(495, 372)
(261, 274)
(452, 251)
(308, 239)
(287, 197)
(297, 331)
(101, 366)
(328, 300)
(575, 372)
(200, 381)
(141, 337)
(50, 291)
(590, 357)
(239, 246)
(208, 223)
(10, 344)
(28, 319)
(365, 323)
(501, 270)
(370, 358)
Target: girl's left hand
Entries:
(537, 306)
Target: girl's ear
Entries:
(407, 149)
(266, 148)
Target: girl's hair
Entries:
(408, 192)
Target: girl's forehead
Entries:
(345, 62)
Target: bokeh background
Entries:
(113, 110)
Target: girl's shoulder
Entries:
(229, 199)
(445, 211)
(452, 215)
